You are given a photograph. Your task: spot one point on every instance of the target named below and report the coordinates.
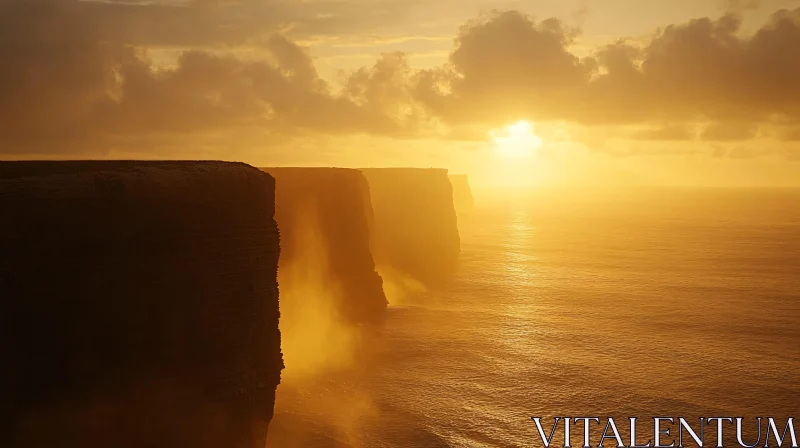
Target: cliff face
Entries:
(462, 193)
(416, 231)
(327, 211)
(138, 304)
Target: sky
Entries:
(606, 92)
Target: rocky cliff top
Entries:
(334, 204)
(139, 304)
(416, 228)
(462, 193)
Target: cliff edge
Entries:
(462, 193)
(138, 304)
(416, 229)
(325, 219)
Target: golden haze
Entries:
(621, 92)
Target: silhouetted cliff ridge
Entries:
(462, 193)
(326, 212)
(138, 304)
(416, 230)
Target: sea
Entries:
(632, 302)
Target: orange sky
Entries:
(616, 91)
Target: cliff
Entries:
(326, 213)
(462, 193)
(138, 304)
(416, 230)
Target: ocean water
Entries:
(671, 302)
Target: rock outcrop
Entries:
(328, 211)
(462, 193)
(416, 230)
(138, 305)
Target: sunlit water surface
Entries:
(662, 302)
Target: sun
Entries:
(516, 141)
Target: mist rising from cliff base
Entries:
(315, 336)
(400, 288)
(319, 343)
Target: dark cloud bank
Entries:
(76, 78)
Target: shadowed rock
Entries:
(334, 204)
(138, 304)
(416, 230)
(462, 194)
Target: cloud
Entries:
(740, 6)
(790, 134)
(76, 75)
(505, 66)
(64, 88)
(726, 132)
(383, 88)
(205, 23)
(704, 70)
(206, 91)
(737, 152)
(669, 132)
(54, 71)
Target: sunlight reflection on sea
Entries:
(666, 303)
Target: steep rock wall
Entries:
(416, 230)
(335, 204)
(138, 304)
(462, 193)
